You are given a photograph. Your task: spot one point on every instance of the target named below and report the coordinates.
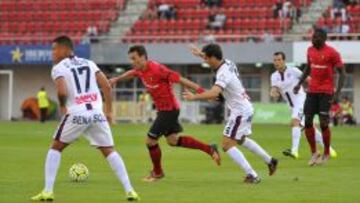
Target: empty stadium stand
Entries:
(38, 21)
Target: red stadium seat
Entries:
(36, 19)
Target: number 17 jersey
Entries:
(82, 88)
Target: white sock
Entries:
(240, 160)
(296, 135)
(51, 167)
(318, 137)
(118, 166)
(256, 149)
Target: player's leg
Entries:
(295, 141)
(192, 143)
(229, 146)
(99, 134)
(319, 140)
(52, 164)
(311, 108)
(259, 151)
(172, 127)
(53, 159)
(324, 116)
(240, 131)
(156, 131)
(155, 156)
(118, 166)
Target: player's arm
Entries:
(213, 93)
(106, 89)
(61, 90)
(123, 77)
(340, 83)
(190, 84)
(303, 77)
(275, 90)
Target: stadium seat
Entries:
(245, 16)
(47, 17)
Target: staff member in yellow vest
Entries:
(43, 103)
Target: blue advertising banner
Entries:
(35, 54)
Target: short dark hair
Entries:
(140, 49)
(65, 41)
(321, 32)
(213, 50)
(280, 53)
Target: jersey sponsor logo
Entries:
(147, 83)
(318, 66)
(87, 98)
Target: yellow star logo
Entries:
(16, 55)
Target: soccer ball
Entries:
(78, 172)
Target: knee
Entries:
(324, 123)
(58, 146)
(151, 142)
(295, 123)
(172, 142)
(106, 151)
(227, 144)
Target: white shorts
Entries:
(238, 126)
(93, 124)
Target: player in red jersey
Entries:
(158, 80)
(322, 59)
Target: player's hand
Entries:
(63, 111)
(109, 117)
(296, 89)
(187, 95)
(274, 93)
(112, 81)
(196, 51)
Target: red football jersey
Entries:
(322, 63)
(158, 80)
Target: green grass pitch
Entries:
(191, 176)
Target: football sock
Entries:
(310, 136)
(326, 135)
(192, 143)
(318, 137)
(118, 166)
(155, 155)
(296, 135)
(256, 149)
(240, 160)
(51, 167)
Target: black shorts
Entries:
(317, 103)
(166, 123)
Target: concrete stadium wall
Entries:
(106, 53)
(27, 82)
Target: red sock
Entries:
(326, 135)
(192, 143)
(310, 136)
(155, 154)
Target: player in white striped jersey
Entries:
(238, 127)
(283, 81)
(77, 82)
